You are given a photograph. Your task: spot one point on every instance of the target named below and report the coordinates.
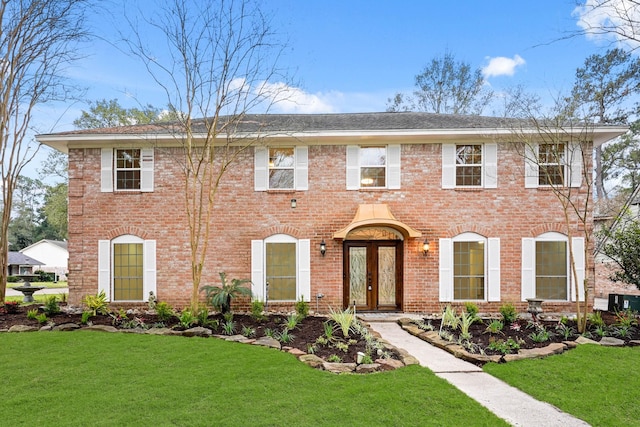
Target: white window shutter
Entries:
(353, 167)
(528, 278)
(257, 270)
(104, 267)
(578, 257)
(445, 248)
(575, 165)
(149, 278)
(490, 155)
(302, 168)
(393, 166)
(146, 169)
(261, 168)
(493, 293)
(106, 170)
(304, 269)
(448, 166)
(530, 167)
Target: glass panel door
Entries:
(386, 275)
(358, 276)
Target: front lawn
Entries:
(599, 385)
(102, 379)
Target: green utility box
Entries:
(619, 302)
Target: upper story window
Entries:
(127, 174)
(129, 169)
(281, 168)
(469, 165)
(553, 165)
(373, 167)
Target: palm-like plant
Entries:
(219, 297)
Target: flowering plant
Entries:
(11, 307)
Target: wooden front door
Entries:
(373, 275)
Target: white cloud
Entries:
(289, 99)
(502, 66)
(604, 19)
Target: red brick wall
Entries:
(509, 212)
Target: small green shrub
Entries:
(302, 308)
(626, 318)
(292, 321)
(164, 311)
(257, 310)
(51, 305)
(44, 276)
(425, 326)
(285, 336)
(268, 332)
(229, 327)
(248, 331)
(509, 313)
(495, 327)
(97, 303)
(334, 358)
(42, 318)
(32, 314)
(186, 319)
(596, 319)
(344, 319)
(466, 319)
(219, 297)
(541, 335)
(450, 318)
(342, 346)
(86, 315)
(366, 359)
(504, 347)
(12, 279)
(472, 309)
(565, 330)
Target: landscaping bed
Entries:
(512, 337)
(318, 341)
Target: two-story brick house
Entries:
(392, 211)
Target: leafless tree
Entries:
(218, 62)
(38, 39)
(619, 19)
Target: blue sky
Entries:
(352, 55)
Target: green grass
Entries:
(100, 379)
(51, 285)
(599, 385)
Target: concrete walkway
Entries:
(508, 403)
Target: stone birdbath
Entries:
(26, 287)
(535, 308)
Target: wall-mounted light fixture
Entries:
(425, 247)
(294, 203)
(323, 247)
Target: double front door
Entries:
(373, 275)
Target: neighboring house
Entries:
(20, 263)
(53, 254)
(338, 205)
(604, 266)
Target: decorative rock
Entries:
(570, 344)
(367, 368)
(66, 327)
(268, 342)
(410, 360)
(296, 352)
(46, 328)
(198, 331)
(339, 368)
(160, 331)
(102, 328)
(412, 329)
(22, 328)
(389, 364)
(634, 343)
(311, 360)
(235, 338)
(583, 340)
(133, 331)
(532, 353)
(611, 342)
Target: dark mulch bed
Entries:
(522, 331)
(305, 334)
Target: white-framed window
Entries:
(469, 268)
(373, 167)
(470, 165)
(282, 262)
(546, 271)
(553, 164)
(127, 268)
(281, 168)
(126, 169)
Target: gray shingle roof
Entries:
(18, 258)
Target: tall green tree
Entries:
(106, 114)
(605, 90)
(623, 247)
(38, 41)
(445, 86)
